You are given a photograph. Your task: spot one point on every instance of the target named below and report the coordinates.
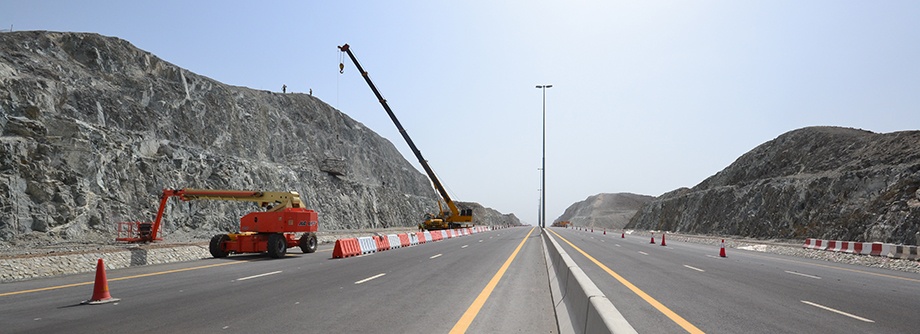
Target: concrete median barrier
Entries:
(580, 306)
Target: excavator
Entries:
(272, 231)
(456, 217)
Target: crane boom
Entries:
(456, 215)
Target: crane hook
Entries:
(341, 68)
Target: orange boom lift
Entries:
(272, 231)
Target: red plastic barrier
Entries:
(382, 243)
(403, 240)
(876, 249)
(345, 248)
(421, 237)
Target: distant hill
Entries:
(611, 211)
(818, 182)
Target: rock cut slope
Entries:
(611, 211)
(817, 182)
(92, 129)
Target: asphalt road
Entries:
(488, 282)
(686, 287)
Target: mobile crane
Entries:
(272, 231)
(444, 219)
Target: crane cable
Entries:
(338, 78)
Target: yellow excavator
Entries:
(455, 217)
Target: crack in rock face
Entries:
(93, 129)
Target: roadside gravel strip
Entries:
(794, 248)
(28, 262)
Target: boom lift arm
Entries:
(272, 201)
(455, 215)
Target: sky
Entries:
(647, 96)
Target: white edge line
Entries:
(259, 275)
(643, 253)
(434, 256)
(370, 278)
(695, 268)
(801, 274)
(465, 246)
(836, 311)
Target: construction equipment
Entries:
(455, 218)
(273, 231)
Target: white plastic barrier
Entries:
(368, 245)
(394, 241)
(413, 239)
(428, 236)
(444, 234)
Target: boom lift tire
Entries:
(277, 245)
(308, 242)
(216, 246)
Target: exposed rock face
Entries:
(611, 211)
(93, 129)
(818, 182)
(482, 214)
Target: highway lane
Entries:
(421, 289)
(746, 292)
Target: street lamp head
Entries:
(544, 86)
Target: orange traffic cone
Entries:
(100, 288)
(722, 249)
(605, 231)
(653, 238)
(623, 236)
(662, 240)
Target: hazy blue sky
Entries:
(647, 97)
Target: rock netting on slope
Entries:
(818, 182)
(92, 129)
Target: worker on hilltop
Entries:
(311, 91)
(283, 89)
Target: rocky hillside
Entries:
(611, 211)
(92, 129)
(818, 182)
(490, 215)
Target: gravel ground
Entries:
(41, 247)
(794, 248)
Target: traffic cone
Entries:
(623, 235)
(653, 238)
(592, 230)
(722, 249)
(662, 240)
(100, 288)
(605, 231)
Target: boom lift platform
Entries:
(272, 231)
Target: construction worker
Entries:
(284, 89)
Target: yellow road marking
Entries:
(680, 321)
(464, 323)
(118, 278)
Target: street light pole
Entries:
(543, 183)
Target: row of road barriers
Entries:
(580, 305)
(368, 245)
(864, 248)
